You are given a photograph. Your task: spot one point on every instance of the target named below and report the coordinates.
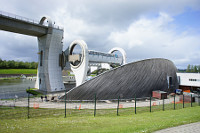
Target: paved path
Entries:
(188, 128)
(23, 102)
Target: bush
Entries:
(33, 91)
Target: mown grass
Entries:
(18, 71)
(84, 121)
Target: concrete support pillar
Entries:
(49, 60)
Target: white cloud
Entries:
(104, 24)
(18, 47)
(157, 38)
(143, 31)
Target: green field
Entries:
(18, 71)
(86, 122)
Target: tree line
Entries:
(11, 64)
(193, 68)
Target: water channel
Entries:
(15, 88)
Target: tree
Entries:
(11, 64)
(34, 65)
(195, 69)
(192, 68)
(17, 64)
(188, 69)
(1, 61)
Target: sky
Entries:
(145, 29)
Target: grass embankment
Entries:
(33, 92)
(126, 122)
(18, 71)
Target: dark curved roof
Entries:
(137, 78)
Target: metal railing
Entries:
(42, 105)
(102, 54)
(32, 21)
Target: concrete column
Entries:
(49, 66)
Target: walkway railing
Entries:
(14, 16)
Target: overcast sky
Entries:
(143, 28)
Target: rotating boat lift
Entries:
(52, 59)
(81, 63)
(136, 78)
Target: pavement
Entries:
(23, 102)
(188, 128)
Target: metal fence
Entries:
(51, 106)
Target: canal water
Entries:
(15, 88)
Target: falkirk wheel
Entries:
(80, 64)
(125, 80)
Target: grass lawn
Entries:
(86, 122)
(18, 71)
